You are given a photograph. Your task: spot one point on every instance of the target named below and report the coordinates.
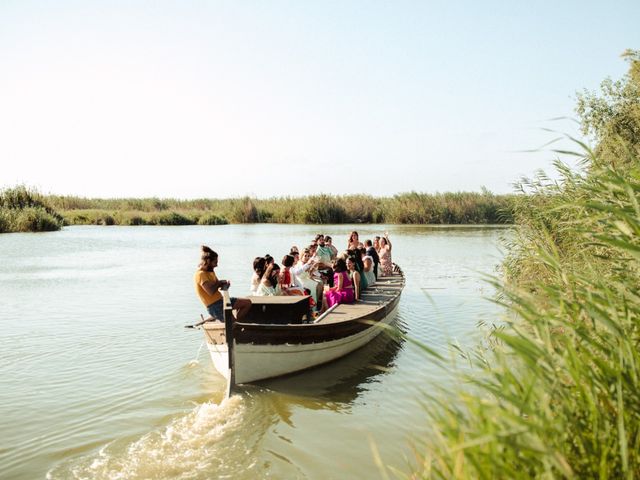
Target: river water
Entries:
(101, 381)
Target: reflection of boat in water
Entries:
(337, 384)
(273, 340)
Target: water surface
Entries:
(101, 380)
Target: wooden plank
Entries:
(373, 298)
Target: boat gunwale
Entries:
(325, 331)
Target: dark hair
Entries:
(356, 234)
(288, 260)
(339, 265)
(274, 278)
(206, 254)
(259, 264)
(368, 243)
(268, 259)
(327, 238)
(356, 257)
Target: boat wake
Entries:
(191, 446)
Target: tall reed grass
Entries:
(25, 210)
(416, 208)
(555, 391)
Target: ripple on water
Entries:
(100, 379)
(193, 444)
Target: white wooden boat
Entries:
(279, 337)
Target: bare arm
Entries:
(356, 284)
(266, 275)
(212, 287)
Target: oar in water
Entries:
(204, 320)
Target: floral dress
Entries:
(385, 261)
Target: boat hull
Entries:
(275, 339)
(255, 362)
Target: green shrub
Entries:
(212, 219)
(244, 211)
(136, 220)
(5, 220)
(25, 210)
(323, 209)
(35, 219)
(171, 218)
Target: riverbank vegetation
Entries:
(445, 208)
(25, 210)
(555, 390)
(406, 208)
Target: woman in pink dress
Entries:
(342, 290)
(386, 265)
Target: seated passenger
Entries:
(355, 276)
(357, 258)
(303, 274)
(287, 280)
(373, 253)
(328, 241)
(342, 291)
(259, 265)
(368, 266)
(323, 259)
(295, 254)
(323, 253)
(269, 285)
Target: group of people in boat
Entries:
(328, 276)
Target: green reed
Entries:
(555, 390)
(416, 208)
(25, 210)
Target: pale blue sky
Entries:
(270, 98)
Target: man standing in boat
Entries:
(208, 288)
